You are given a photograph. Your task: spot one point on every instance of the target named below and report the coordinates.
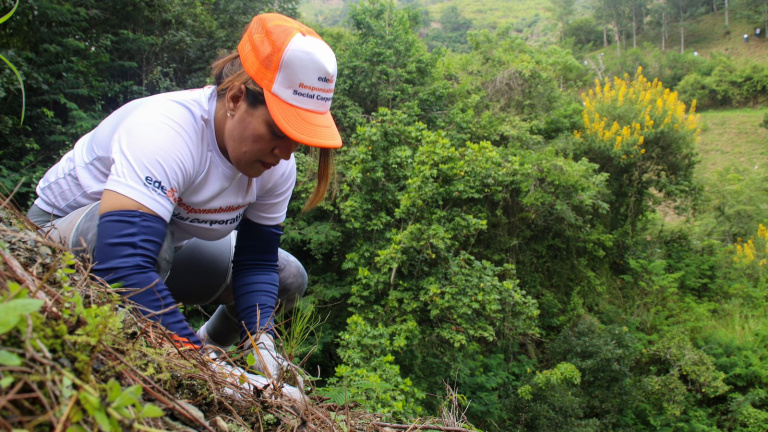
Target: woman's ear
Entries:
(235, 96)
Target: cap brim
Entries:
(303, 126)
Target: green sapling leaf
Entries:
(151, 411)
(24, 306)
(113, 390)
(6, 382)
(129, 396)
(12, 311)
(9, 359)
(7, 322)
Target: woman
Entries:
(167, 179)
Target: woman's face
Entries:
(252, 142)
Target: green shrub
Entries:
(726, 86)
(584, 34)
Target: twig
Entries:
(39, 395)
(420, 427)
(5, 425)
(63, 419)
(17, 369)
(21, 275)
(13, 192)
(10, 395)
(19, 272)
(346, 405)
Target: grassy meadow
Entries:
(733, 138)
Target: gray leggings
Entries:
(199, 272)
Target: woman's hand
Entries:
(268, 362)
(273, 365)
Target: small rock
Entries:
(191, 409)
(218, 425)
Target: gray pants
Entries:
(199, 272)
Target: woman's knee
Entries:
(77, 230)
(293, 279)
(40, 217)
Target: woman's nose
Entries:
(285, 149)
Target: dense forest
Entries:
(515, 223)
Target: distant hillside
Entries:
(708, 35)
(490, 13)
(705, 35)
(483, 13)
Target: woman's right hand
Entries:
(268, 362)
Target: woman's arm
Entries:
(113, 201)
(129, 240)
(255, 276)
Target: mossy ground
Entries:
(81, 360)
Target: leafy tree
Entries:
(637, 12)
(613, 13)
(433, 229)
(683, 378)
(386, 65)
(452, 32)
(369, 370)
(552, 231)
(681, 11)
(563, 12)
(643, 137)
(517, 82)
(661, 11)
(605, 356)
(584, 33)
(285, 7)
(725, 84)
(547, 402)
(424, 220)
(602, 395)
(51, 44)
(10, 65)
(413, 214)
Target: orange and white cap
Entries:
(297, 71)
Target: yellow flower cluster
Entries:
(623, 112)
(747, 252)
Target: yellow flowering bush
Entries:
(750, 260)
(754, 250)
(621, 113)
(643, 136)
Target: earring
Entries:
(229, 113)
